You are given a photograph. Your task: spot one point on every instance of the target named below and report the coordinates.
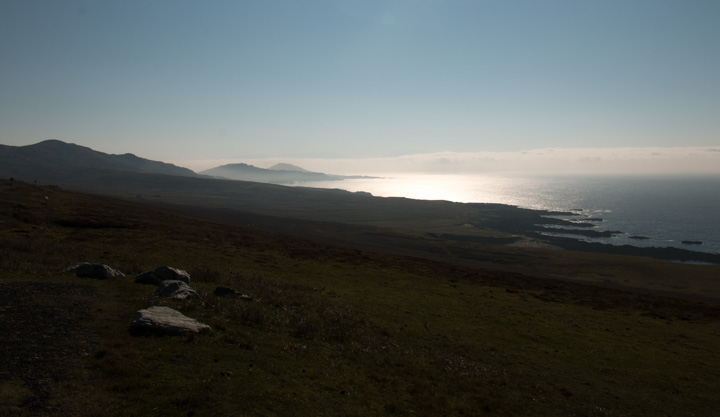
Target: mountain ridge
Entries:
(54, 155)
(53, 158)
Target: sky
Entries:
(331, 83)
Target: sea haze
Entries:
(646, 210)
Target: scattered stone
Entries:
(99, 271)
(166, 320)
(176, 289)
(163, 273)
(230, 293)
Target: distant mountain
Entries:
(57, 162)
(287, 167)
(55, 157)
(277, 174)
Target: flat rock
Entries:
(163, 273)
(99, 271)
(166, 320)
(176, 289)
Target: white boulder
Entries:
(166, 320)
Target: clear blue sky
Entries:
(177, 79)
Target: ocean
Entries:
(681, 212)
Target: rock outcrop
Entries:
(166, 320)
(98, 271)
(163, 273)
(176, 289)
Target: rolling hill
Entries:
(327, 330)
(54, 158)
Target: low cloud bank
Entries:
(620, 161)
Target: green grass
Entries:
(335, 331)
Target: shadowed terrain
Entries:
(334, 329)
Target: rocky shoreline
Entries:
(555, 225)
(666, 253)
(546, 229)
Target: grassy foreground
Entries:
(330, 332)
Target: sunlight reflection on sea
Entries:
(649, 211)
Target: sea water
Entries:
(644, 210)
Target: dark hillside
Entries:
(53, 157)
(329, 330)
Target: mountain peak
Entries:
(55, 144)
(287, 167)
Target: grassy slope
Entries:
(352, 220)
(337, 331)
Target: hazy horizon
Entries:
(601, 161)
(668, 161)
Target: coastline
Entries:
(353, 208)
(665, 253)
(617, 210)
(541, 234)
